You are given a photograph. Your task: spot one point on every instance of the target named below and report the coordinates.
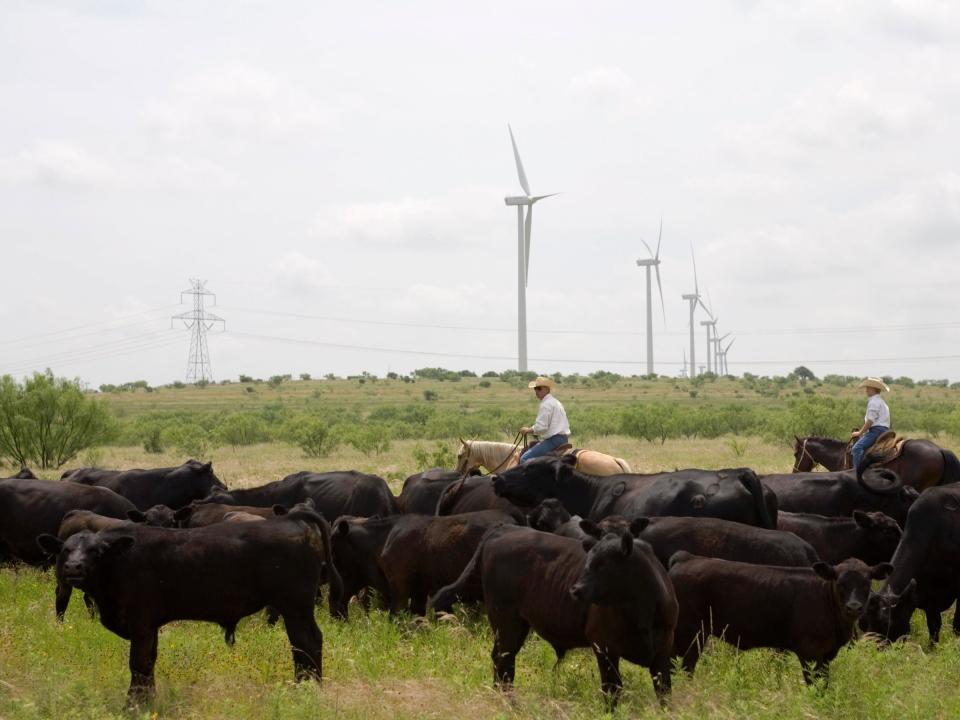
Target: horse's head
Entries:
(465, 463)
(802, 460)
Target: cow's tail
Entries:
(448, 496)
(445, 597)
(951, 467)
(333, 577)
(753, 485)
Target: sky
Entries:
(336, 174)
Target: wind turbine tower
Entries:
(652, 262)
(711, 326)
(723, 355)
(523, 251)
(694, 298)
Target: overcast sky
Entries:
(336, 174)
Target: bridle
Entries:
(516, 444)
(804, 451)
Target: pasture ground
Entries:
(379, 668)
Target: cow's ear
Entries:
(50, 544)
(862, 519)
(825, 571)
(638, 525)
(879, 572)
(207, 466)
(119, 545)
(279, 509)
(136, 516)
(591, 529)
(342, 527)
(183, 515)
(626, 543)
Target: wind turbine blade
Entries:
(528, 225)
(701, 304)
(538, 198)
(647, 246)
(696, 285)
(660, 288)
(516, 155)
(724, 337)
(659, 238)
(728, 346)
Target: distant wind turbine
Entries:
(694, 299)
(723, 356)
(523, 251)
(654, 262)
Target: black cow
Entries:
(928, 556)
(617, 600)
(421, 492)
(840, 493)
(142, 578)
(346, 492)
(868, 536)
(24, 473)
(713, 537)
(424, 553)
(729, 494)
(357, 543)
(94, 474)
(173, 486)
(472, 494)
(79, 520)
(29, 508)
(808, 611)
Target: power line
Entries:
(89, 325)
(96, 354)
(594, 361)
(623, 333)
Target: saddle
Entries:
(558, 451)
(886, 449)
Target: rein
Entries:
(516, 444)
(804, 451)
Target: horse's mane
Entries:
(490, 453)
(834, 441)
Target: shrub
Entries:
(241, 429)
(313, 436)
(369, 438)
(429, 395)
(441, 456)
(46, 421)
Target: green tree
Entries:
(47, 421)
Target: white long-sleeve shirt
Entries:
(551, 418)
(877, 411)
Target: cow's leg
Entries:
(611, 683)
(815, 670)
(272, 615)
(934, 623)
(306, 643)
(64, 590)
(660, 674)
(143, 657)
(399, 593)
(91, 605)
(509, 632)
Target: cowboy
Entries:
(875, 422)
(551, 424)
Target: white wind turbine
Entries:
(723, 356)
(652, 262)
(718, 352)
(694, 299)
(523, 251)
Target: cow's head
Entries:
(888, 613)
(80, 555)
(531, 483)
(609, 571)
(881, 532)
(157, 516)
(201, 475)
(548, 515)
(220, 497)
(851, 584)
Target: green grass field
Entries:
(378, 667)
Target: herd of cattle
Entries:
(636, 567)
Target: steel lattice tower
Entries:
(199, 321)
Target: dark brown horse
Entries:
(922, 464)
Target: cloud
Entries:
(57, 163)
(236, 101)
(294, 270)
(606, 86)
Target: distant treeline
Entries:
(320, 427)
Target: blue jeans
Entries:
(543, 447)
(864, 442)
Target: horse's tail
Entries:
(951, 467)
(752, 483)
(624, 465)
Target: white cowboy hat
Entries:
(542, 382)
(875, 383)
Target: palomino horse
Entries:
(496, 457)
(922, 464)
